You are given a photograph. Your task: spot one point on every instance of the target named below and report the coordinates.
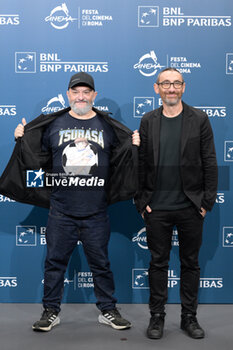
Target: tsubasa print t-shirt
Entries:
(81, 151)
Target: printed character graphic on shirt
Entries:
(79, 157)
(81, 152)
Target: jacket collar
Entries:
(187, 112)
(45, 119)
(62, 111)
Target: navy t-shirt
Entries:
(81, 151)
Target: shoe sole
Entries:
(154, 337)
(47, 329)
(103, 320)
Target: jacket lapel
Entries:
(44, 119)
(155, 134)
(186, 126)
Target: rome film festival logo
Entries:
(141, 239)
(55, 104)
(84, 279)
(25, 62)
(148, 64)
(143, 105)
(67, 283)
(228, 151)
(59, 17)
(228, 237)
(148, 16)
(26, 235)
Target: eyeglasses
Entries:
(167, 84)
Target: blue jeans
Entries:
(62, 234)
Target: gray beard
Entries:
(171, 103)
(81, 111)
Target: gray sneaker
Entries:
(48, 320)
(114, 319)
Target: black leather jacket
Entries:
(27, 155)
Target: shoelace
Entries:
(155, 321)
(193, 322)
(48, 313)
(114, 313)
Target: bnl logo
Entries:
(35, 178)
(228, 151)
(140, 279)
(25, 62)
(148, 16)
(229, 63)
(228, 237)
(26, 235)
(142, 105)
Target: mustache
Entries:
(83, 100)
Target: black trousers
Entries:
(159, 226)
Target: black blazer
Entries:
(198, 165)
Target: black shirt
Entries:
(169, 194)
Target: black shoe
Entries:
(155, 328)
(114, 319)
(191, 326)
(48, 320)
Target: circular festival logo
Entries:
(59, 17)
(148, 64)
(141, 238)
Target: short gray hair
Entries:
(169, 69)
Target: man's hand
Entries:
(203, 212)
(148, 209)
(19, 131)
(136, 138)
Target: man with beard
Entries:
(177, 186)
(80, 213)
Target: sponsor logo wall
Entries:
(124, 46)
